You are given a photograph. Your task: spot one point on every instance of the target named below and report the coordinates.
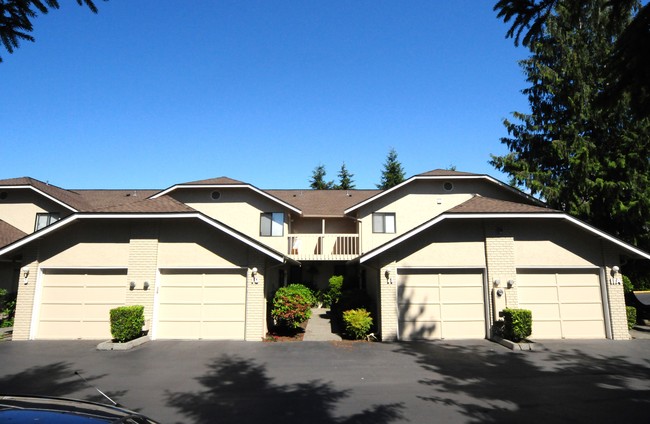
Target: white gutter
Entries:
(42, 193)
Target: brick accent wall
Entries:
(500, 260)
(255, 301)
(388, 301)
(26, 292)
(143, 263)
(617, 312)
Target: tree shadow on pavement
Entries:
(493, 385)
(238, 390)
(57, 380)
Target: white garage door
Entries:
(75, 304)
(565, 303)
(441, 304)
(201, 305)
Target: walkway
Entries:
(319, 327)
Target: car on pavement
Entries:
(23, 409)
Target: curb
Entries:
(109, 345)
(512, 345)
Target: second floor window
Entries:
(272, 224)
(383, 222)
(45, 219)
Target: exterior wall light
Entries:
(255, 275)
(25, 272)
(389, 279)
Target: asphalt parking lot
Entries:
(344, 382)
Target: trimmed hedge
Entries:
(357, 323)
(127, 322)
(517, 324)
(292, 305)
(631, 316)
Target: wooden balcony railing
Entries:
(323, 246)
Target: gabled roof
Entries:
(9, 233)
(164, 204)
(322, 203)
(191, 214)
(486, 208)
(224, 182)
(66, 198)
(444, 174)
(97, 199)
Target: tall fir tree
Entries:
(393, 172)
(579, 155)
(317, 181)
(345, 179)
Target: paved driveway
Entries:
(329, 382)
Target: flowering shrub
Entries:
(291, 305)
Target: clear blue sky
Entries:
(148, 94)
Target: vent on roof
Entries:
(448, 186)
(215, 195)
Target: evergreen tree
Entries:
(393, 173)
(345, 179)
(590, 160)
(16, 19)
(317, 181)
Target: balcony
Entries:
(323, 247)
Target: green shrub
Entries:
(518, 324)
(333, 293)
(7, 309)
(631, 316)
(628, 287)
(291, 305)
(357, 323)
(127, 322)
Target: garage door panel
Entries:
(583, 329)
(462, 312)
(224, 295)
(69, 294)
(579, 294)
(181, 294)
(461, 279)
(461, 294)
(420, 330)
(54, 330)
(544, 311)
(420, 295)
(545, 329)
(420, 312)
(417, 280)
(463, 330)
(578, 279)
(179, 330)
(61, 312)
(224, 280)
(182, 312)
(545, 279)
(537, 294)
(220, 312)
(223, 330)
(587, 312)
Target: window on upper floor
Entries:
(383, 222)
(272, 224)
(45, 219)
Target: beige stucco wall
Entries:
(21, 206)
(239, 208)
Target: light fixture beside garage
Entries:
(25, 272)
(254, 275)
(389, 279)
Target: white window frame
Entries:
(384, 223)
(49, 218)
(272, 224)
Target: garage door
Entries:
(441, 304)
(565, 303)
(75, 304)
(201, 305)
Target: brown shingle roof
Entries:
(9, 233)
(163, 204)
(68, 197)
(322, 203)
(97, 199)
(214, 181)
(445, 173)
(479, 204)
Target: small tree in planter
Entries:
(517, 324)
(127, 322)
